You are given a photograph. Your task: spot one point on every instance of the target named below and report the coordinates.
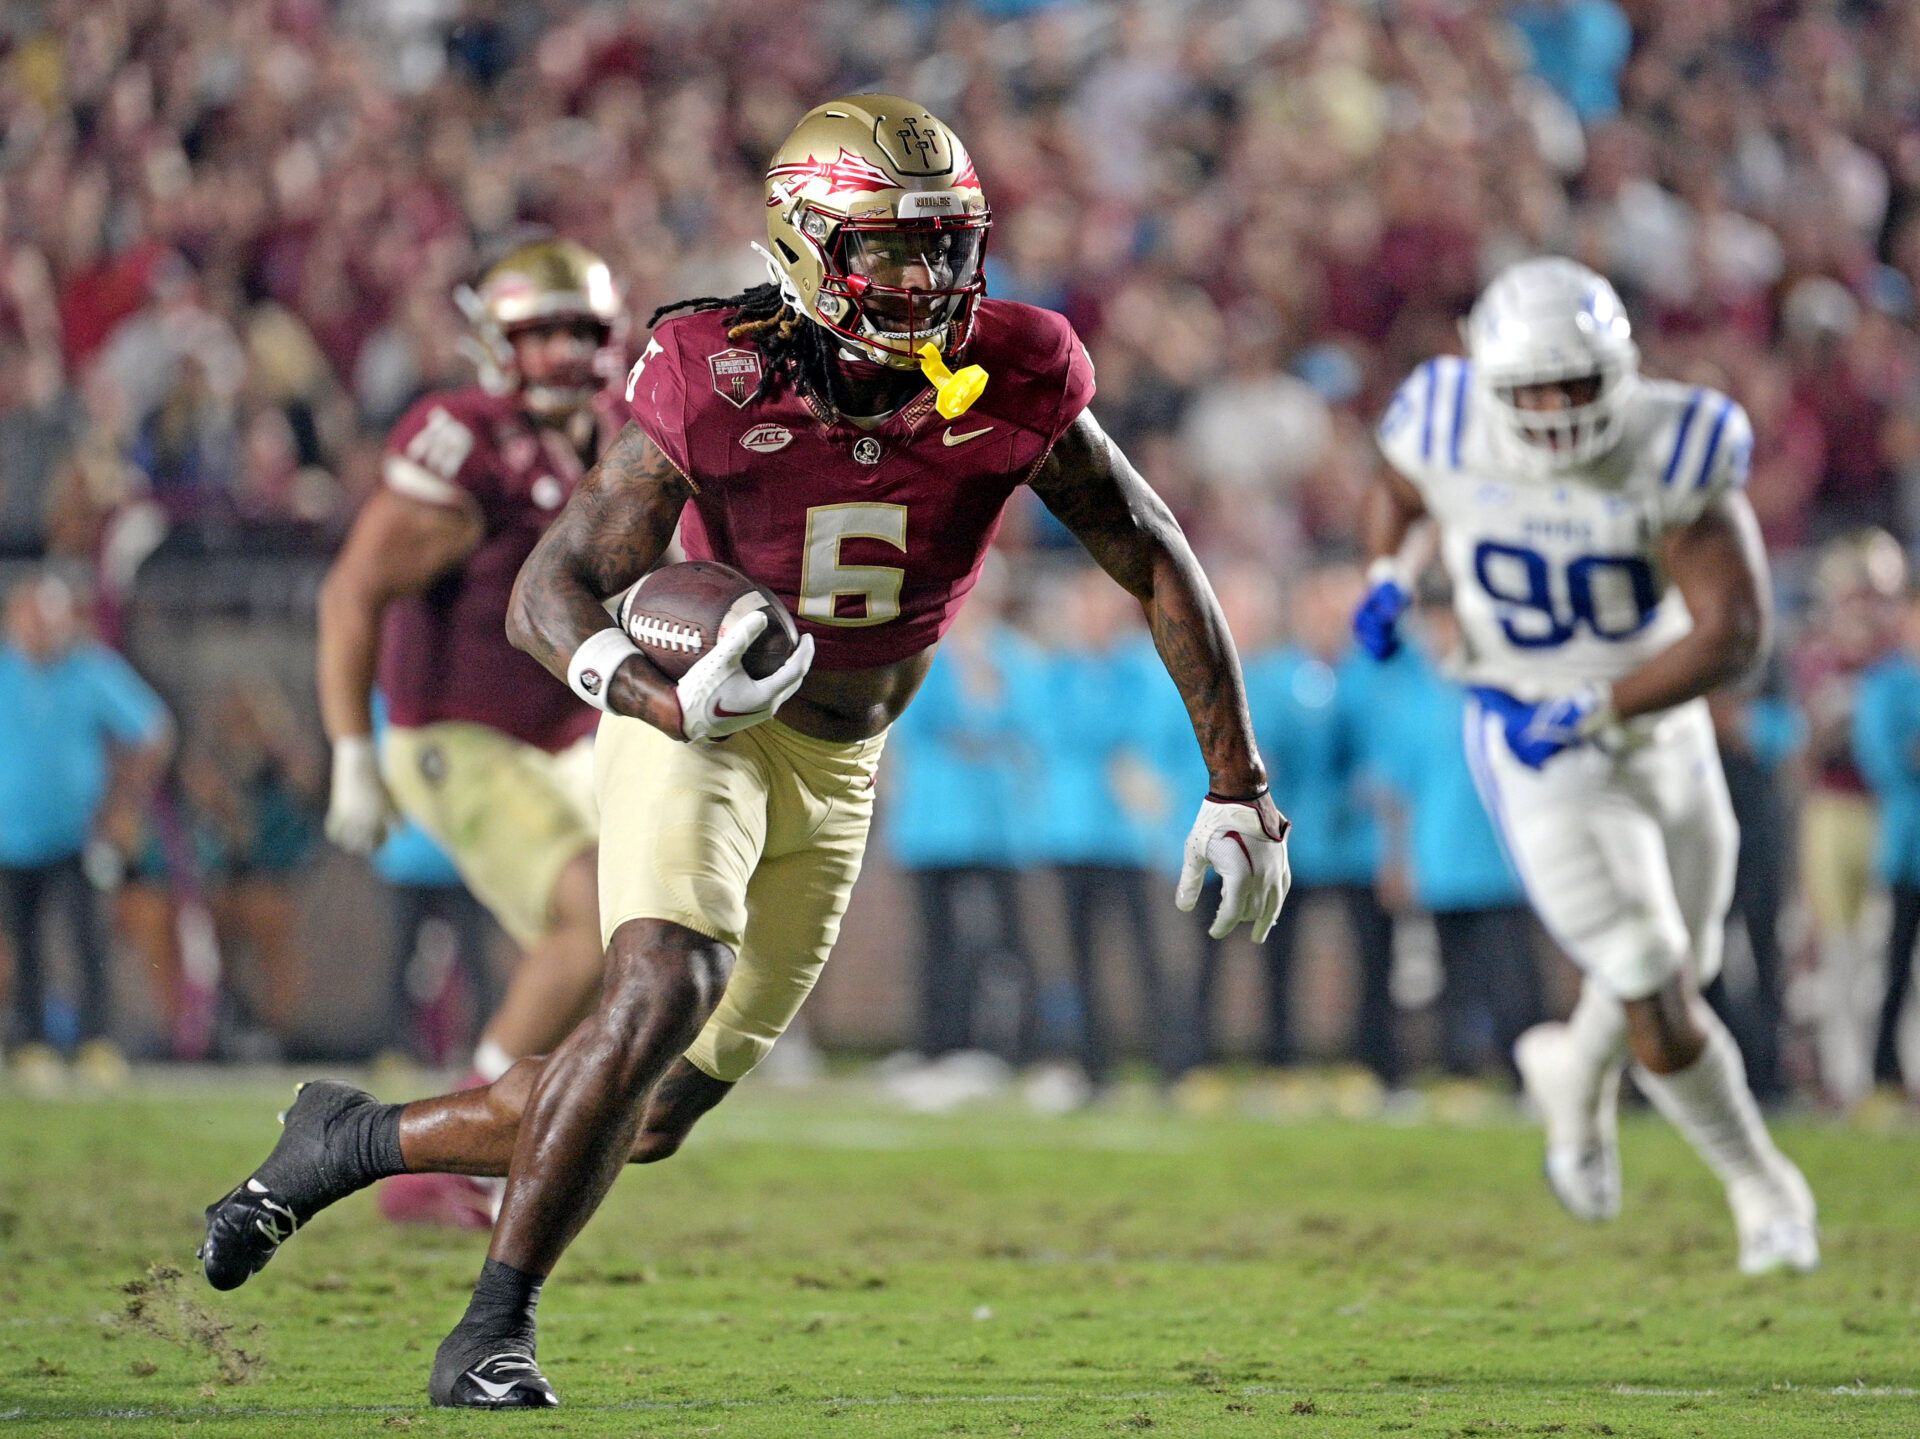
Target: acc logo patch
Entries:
(765, 439)
(736, 375)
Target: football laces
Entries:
(664, 634)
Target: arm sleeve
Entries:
(433, 455)
(657, 397)
(1712, 450)
(129, 709)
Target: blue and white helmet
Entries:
(1550, 319)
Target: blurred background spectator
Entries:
(1442, 857)
(228, 235)
(1094, 818)
(82, 741)
(960, 811)
(1887, 741)
(1761, 736)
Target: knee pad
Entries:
(1636, 955)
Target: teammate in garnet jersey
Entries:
(484, 751)
(789, 431)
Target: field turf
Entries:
(817, 1264)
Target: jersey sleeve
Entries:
(657, 396)
(434, 455)
(1421, 431)
(1707, 456)
(1077, 391)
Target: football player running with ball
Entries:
(1608, 574)
(484, 752)
(810, 433)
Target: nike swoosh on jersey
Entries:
(949, 438)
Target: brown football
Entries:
(675, 615)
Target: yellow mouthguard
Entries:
(953, 394)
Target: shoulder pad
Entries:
(1703, 450)
(1424, 427)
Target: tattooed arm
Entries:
(1125, 526)
(617, 525)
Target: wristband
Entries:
(590, 671)
(355, 749)
(1602, 716)
(1259, 794)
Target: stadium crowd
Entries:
(229, 234)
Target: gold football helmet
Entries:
(538, 283)
(878, 227)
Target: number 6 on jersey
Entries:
(824, 579)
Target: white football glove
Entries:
(718, 697)
(1233, 837)
(359, 810)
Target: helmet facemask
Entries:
(1574, 433)
(557, 396)
(1549, 322)
(888, 286)
(545, 283)
(877, 228)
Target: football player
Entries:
(1607, 574)
(484, 752)
(794, 431)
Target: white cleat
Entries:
(1785, 1243)
(1777, 1222)
(1579, 1111)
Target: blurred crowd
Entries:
(229, 234)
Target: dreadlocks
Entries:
(796, 350)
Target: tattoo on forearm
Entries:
(1128, 529)
(618, 523)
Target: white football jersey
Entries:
(1557, 578)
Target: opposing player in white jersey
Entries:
(1608, 574)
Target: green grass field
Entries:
(816, 1264)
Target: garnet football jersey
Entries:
(444, 653)
(871, 537)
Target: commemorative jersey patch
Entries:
(736, 375)
(765, 439)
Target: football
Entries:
(678, 612)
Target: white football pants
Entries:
(1628, 856)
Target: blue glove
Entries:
(1374, 623)
(1538, 730)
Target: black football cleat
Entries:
(299, 1179)
(505, 1380)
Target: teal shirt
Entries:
(1417, 751)
(960, 766)
(58, 723)
(1311, 720)
(1100, 799)
(1886, 743)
